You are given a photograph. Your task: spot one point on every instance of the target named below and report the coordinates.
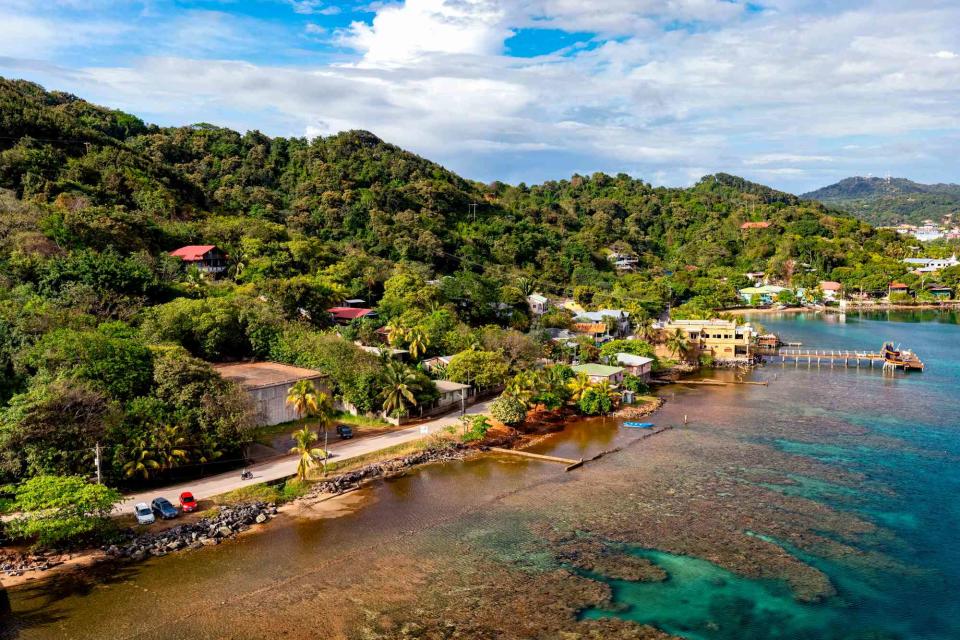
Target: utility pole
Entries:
(96, 461)
(473, 210)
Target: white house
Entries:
(538, 304)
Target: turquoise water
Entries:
(901, 434)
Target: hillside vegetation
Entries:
(105, 338)
(891, 201)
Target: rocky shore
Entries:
(227, 523)
(388, 468)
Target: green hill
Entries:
(104, 337)
(891, 201)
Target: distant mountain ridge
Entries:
(890, 201)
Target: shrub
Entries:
(594, 403)
(508, 410)
(475, 428)
(61, 510)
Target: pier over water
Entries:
(888, 358)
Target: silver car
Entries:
(144, 513)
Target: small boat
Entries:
(638, 425)
(900, 358)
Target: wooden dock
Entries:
(569, 462)
(844, 358)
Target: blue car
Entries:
(163, 508)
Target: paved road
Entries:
(287, 466)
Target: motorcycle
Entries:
(246, 475)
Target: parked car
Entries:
(344, 431)
(187, 502)
(163, 509)
(143, 513)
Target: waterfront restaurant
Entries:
(725, 340)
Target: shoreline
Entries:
(318, 503)
(743, 311)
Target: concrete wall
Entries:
(271, 402)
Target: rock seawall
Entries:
(209, 531)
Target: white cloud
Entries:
(945, 55)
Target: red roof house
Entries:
(898, 287)
(345, 315)
(206, 257)
(829, 285)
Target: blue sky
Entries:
(792, 93)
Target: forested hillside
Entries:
(105, 338)
(891, 201)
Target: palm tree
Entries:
(141, 462)
(578, 385)
(645, 329)
(400, 385)
(302, 396)
(168, 443)
(677, 343)
(524, 387)
(604, 388)
(525, 286)
(396, 333)
(308, 454)
(419, 341)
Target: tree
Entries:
(168, 445)
(594, 402)
(524, 387)
(396, 333)
(62, 510)
(677, 343)
(141, 460)
(418, 341)
(475, 427)
(578, 385)
(481, 369)
(302, 396)
(508, 410)
(399, 389)
(307, 454)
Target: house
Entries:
(623, 261)
(600, 372)
(640, 366)
(538, 304)
(451, 393)
(399, 354)
(898, 287)
(597, 331)
(767, 293)
(205, 257)
(941, 292)
(346, 315)
(355, 303)
(267, 385)
(930, 265)
(621, 320)
(831, 290)
(755, 225)
(725, 340)
(755, 277)
(437, 361)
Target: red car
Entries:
(187, 502)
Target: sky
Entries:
(795, 94)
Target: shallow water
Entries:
(851, 472)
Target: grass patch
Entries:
(251, 493)
(290, 489)
(360, 421)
